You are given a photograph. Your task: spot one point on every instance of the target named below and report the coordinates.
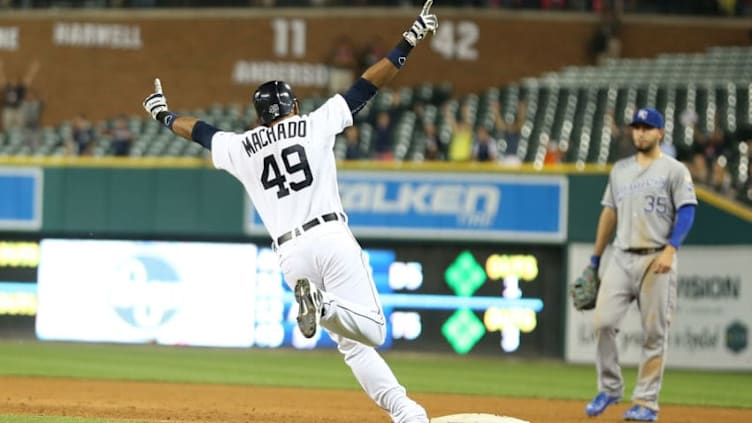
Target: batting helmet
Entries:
(272, 100)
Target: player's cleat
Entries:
(600, 403)
(309, 307)
(639, 413)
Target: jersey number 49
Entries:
(272, 176)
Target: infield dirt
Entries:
(171, 402)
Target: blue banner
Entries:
(493, 207)
(20, 198)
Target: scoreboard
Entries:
(439, 297)
(18, 273)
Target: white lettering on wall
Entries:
(9, 38)
(457, 40)
(97, 35)
(296, 74)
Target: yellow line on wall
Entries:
(703, 194)
(108, 162)
(724, 203)
(196, 162)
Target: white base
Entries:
(476, 418)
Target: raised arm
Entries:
(356, 97)
(186, 127)
(383, 71)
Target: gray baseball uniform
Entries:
(646, 200)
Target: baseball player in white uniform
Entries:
(288, 168)
(650, 203)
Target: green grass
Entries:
(499, 376)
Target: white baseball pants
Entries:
(329, 257)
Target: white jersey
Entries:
(288, 170)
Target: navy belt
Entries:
(329, 217)
(645, 251)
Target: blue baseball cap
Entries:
(648, 116)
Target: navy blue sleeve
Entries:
(359, 94)
(684, 219)
(202, 133)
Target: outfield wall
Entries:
(479, 205)
(469, 262)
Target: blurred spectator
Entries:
(668, 148)
(553, 153)
(342, 63)
(370, 54)
(707, 148)
(31, 109)
(688, 119)
(352, 143)
(122, 137)
(382, 136)
(509, 133)
(14, 94)
(744, 171)
(484, 146)
(606, 42)
(707, 7)
(720, 178)
(461, 143)
(432, 146)
(553, 4)
(621, 138)
(82, 137)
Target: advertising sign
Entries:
(175, 293)
(462, 300)
(450, 206)
(20, 198)
(710, 327)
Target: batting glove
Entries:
(156, 102)
(425, 23)
(156, 106)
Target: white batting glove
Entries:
(425, 23)
(156, 102)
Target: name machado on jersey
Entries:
(262, 138)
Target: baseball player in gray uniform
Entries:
(288, 168)
(650, 202)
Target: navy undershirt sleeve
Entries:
(359, 94)
(202, 133)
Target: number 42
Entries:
(457, 40)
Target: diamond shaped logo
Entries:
(463, 330)
(465, 275)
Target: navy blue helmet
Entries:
(272, 100)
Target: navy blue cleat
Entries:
(600, 403)
(639, 413)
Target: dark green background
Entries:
(202, 202)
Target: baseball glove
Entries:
(584, 290)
